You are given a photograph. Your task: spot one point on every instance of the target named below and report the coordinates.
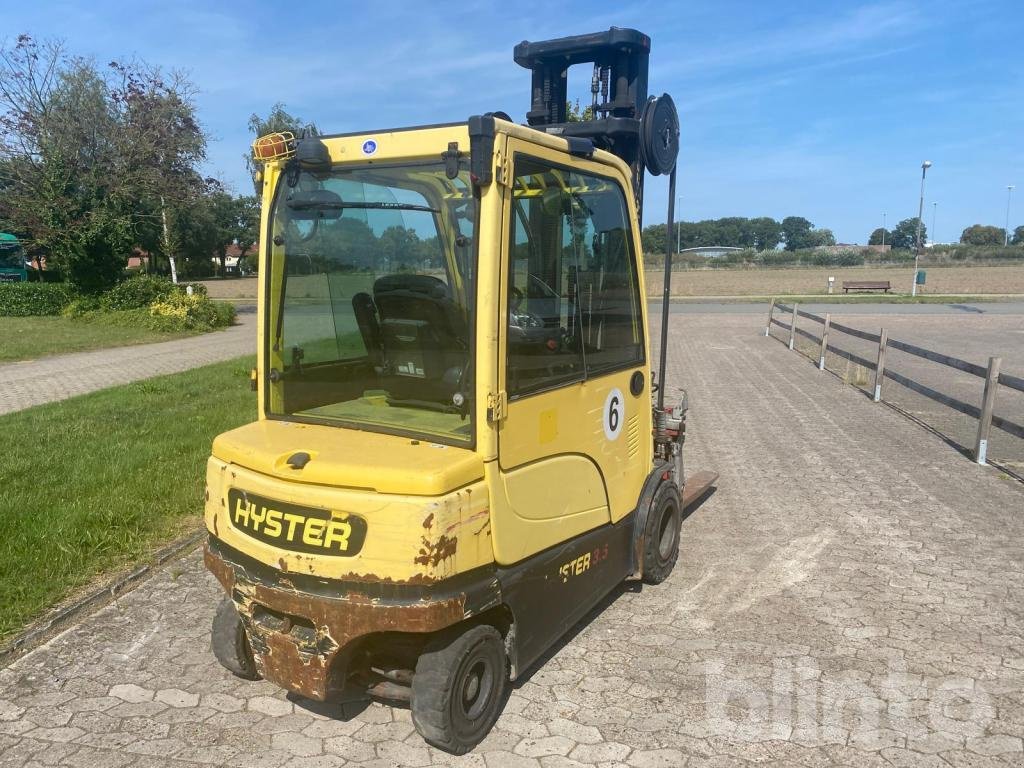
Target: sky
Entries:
(818, 109)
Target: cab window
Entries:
(574, 300)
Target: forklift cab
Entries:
(456, 455)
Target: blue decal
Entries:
(369, 147)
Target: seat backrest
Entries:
(423, 337)
(422, 298)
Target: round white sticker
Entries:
(614, 414)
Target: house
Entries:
(234, 255)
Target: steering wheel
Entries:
(518, 318)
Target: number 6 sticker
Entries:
(614, 414)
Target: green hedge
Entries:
(136, 292)
(27, 299)
(175, 314)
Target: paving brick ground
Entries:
(33, 382)
(850, 595)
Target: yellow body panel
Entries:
(536, 475)
(409, 539)
(347, 458)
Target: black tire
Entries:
(459, 688)
(661, 534)
(230, 643)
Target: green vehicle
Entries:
(12, 260)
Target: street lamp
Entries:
(935, 207)
(920, 212)
(883, 230)
(1006, 231)
(679, 222)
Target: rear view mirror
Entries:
(315, 204)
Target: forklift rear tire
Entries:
(230, 643)
(459, 687)
(661, 536)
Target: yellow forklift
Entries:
(457, 454)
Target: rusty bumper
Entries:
(301, 638)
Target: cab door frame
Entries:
(561, 471)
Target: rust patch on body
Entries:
(433, 552)
(429, 521)
(302, 659)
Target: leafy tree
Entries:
(880, 236)
(165, 147)
(1018, 236)
(819, 237)
(92, 160)
(904, 234)
(235, 220)
(796, 232)
(573, 113)
(979, 234)
(197, 226)
(767, 233)
(247, 232)
(653, 238)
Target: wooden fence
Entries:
(990, 374)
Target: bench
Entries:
(866, 285)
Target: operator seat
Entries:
(424, 338)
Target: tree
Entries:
(92, 159)
(820, 237)
(979, 234)
(164, 146)
(235, 221)
(767, 233)
(904, 234)
(247, 233)
(880, 236)
(796, 232)
(653, 238)
(278, 120)
(573, 113)
(1018, 236)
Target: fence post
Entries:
(880, 365)
(792, 326)
(988, 401)
(824, 341)
(771, 311)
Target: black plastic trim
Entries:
(481, 149)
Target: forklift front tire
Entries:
(459, 687)
(230, 643)
(661, 536)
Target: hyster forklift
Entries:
(457, 455)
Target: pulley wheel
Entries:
(659, 135)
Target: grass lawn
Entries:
(97, 482)
(24, 338)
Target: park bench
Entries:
(866, 285)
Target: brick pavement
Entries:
(33, 382)
(850, 595)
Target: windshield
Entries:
(371, 286)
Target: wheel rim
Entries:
(476, 687)
(473, 695)
(667, 533)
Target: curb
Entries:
(46, 628)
